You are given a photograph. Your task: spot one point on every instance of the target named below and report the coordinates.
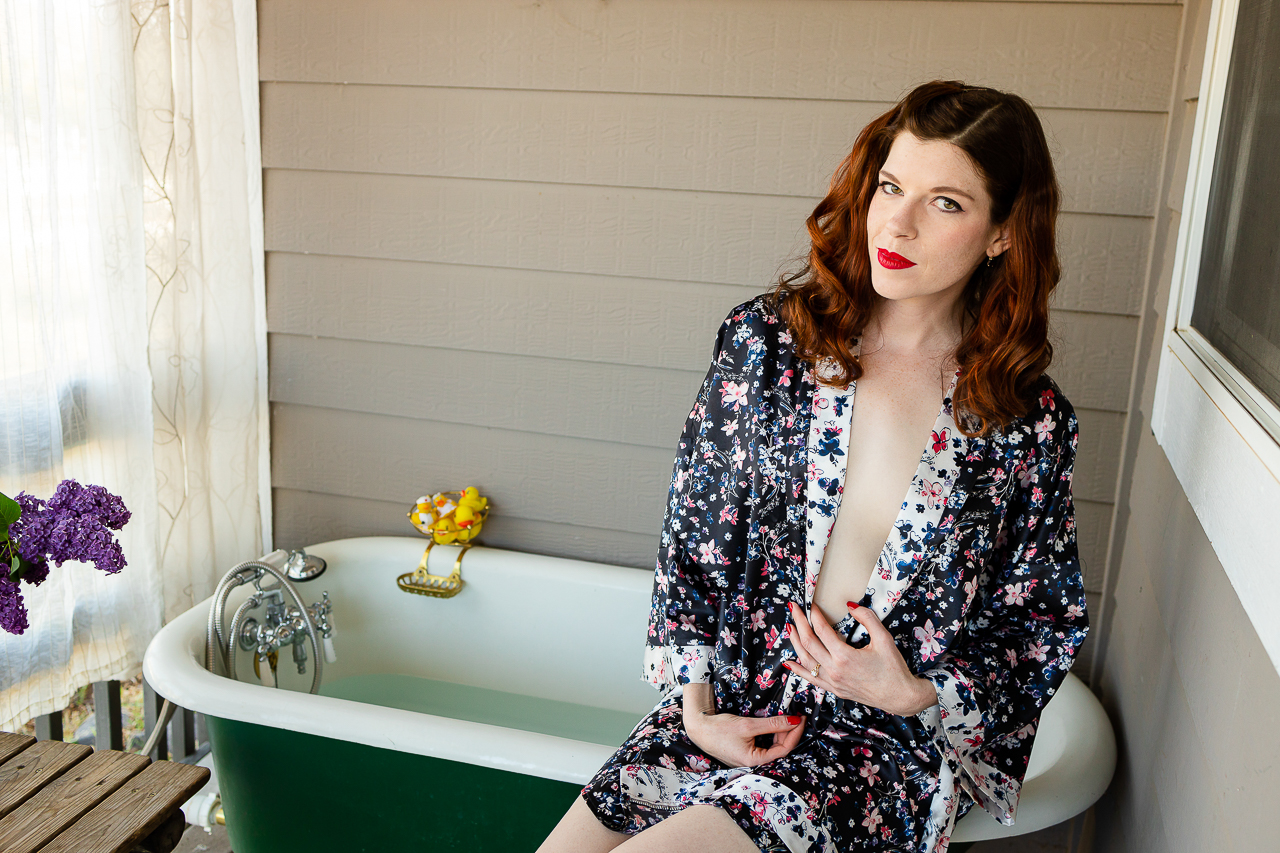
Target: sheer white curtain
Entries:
(132, 329)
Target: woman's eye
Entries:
(890, 188)
(948, 205)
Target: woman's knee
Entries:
(697, 829)
(581, 830)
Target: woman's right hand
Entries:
(732, 739)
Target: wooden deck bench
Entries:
(60, 797)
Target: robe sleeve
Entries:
(1021, 633)
(689, 575)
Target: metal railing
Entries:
(186, 731)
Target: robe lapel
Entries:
(908, 546)
(826, 450)
(829, 411)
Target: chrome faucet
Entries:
(286, 624)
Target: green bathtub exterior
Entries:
(290, 792)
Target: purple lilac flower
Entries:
(13, 612)
(35, 573)
(90, 500)
(87, 539)
(74, 524)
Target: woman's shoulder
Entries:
(759, 313)
(1050, 421)
(754, 325)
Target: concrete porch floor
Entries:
(196, 840)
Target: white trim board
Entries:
(1212, 430)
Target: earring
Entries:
(989, 260)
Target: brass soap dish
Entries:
(422, 582)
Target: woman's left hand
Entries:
(876, 674)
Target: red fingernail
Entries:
(787, 664)
(793, 721)
(853, 605)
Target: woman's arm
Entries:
(1021, 634)
(686, 598)
(696, 559)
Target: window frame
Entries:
(1220, 433)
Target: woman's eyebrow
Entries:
(952, 190)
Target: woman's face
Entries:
(929, 224)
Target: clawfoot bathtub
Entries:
(471, 722)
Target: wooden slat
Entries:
(152, 703)
(641, 322)
(313, 516)
(1093, 358)
(63, 801)
(588, 317)
(543, 395)
(1104, 259)
(11, 744)
(129, 814)
(1106, 161)
(1093, 526)
(652, 234)
(33, 768)
(1074, 56)
(108, 733)
(182, 733)
(538, 477)
(1098, 459)
(49, 726)
(713, 237)
(632, 405)
(164, 837)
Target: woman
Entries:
(847, 670)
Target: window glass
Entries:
(1237, 306)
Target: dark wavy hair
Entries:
(1005, 347)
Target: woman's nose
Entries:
(903, 222)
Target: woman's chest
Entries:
(890, 425)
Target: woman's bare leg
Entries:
(580, 832)
(697, 829)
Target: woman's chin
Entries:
(903, 286)
(896, 286)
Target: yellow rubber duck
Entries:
(450, 517)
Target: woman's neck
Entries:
(907, 328)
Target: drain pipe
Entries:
(205, 811)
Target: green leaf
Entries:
(10, 511)
(15, 571)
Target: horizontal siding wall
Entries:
(501, 236)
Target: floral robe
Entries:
(979, 583)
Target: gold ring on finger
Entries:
(814, 671)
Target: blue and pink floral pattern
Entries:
(979, 584)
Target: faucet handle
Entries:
(330, 656)
(266, 674)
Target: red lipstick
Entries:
(893, 261)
